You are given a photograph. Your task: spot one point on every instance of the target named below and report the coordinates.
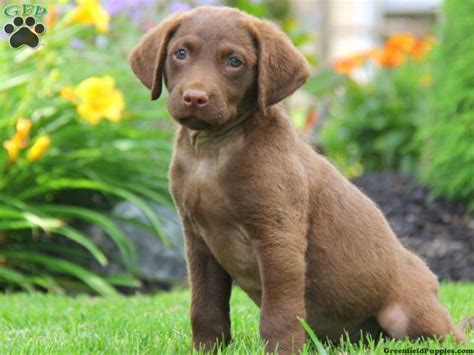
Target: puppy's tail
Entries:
(467, 324)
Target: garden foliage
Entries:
(78, 134)
(372, 123)
(448, 130)
(72, 144)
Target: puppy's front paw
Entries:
(285, 342)
(211, 343)
(210, 330)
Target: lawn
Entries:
(52, 324)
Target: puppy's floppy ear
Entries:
(148, 57)
(281, 68)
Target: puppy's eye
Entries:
(234, 62)
(181, 54)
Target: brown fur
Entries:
(261, 208)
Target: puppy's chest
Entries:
(201, 196)
(202, 200)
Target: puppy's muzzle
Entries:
(195, 99)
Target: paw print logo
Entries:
(24, 32)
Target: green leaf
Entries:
(126, 248)
(319, 346)
(33, 218)
(59, 184)
(83, 240)
(62, 266)
(14, 81)
(123, 280)
(16, 278)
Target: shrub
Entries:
(72, 146)
(372, 124)
(448, 130)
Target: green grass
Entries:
(51, 324)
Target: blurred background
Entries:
(84, 154)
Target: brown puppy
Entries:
(260, 207)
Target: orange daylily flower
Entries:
(394, 53)
(362, 57)
(401, 41)
(345, 66)
(422, 47)
(390, 57)
(311, 119)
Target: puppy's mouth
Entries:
(194, 123)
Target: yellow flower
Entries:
(23, 129)
(12, 150)
(91, 12)
(67, 93)
(23, 126)
(98, 99)
(19, 140)
(39, 148)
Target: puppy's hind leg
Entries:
(417, 317)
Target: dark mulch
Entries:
(440, 231)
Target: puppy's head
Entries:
(218, 64)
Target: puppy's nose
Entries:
(196, 98)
